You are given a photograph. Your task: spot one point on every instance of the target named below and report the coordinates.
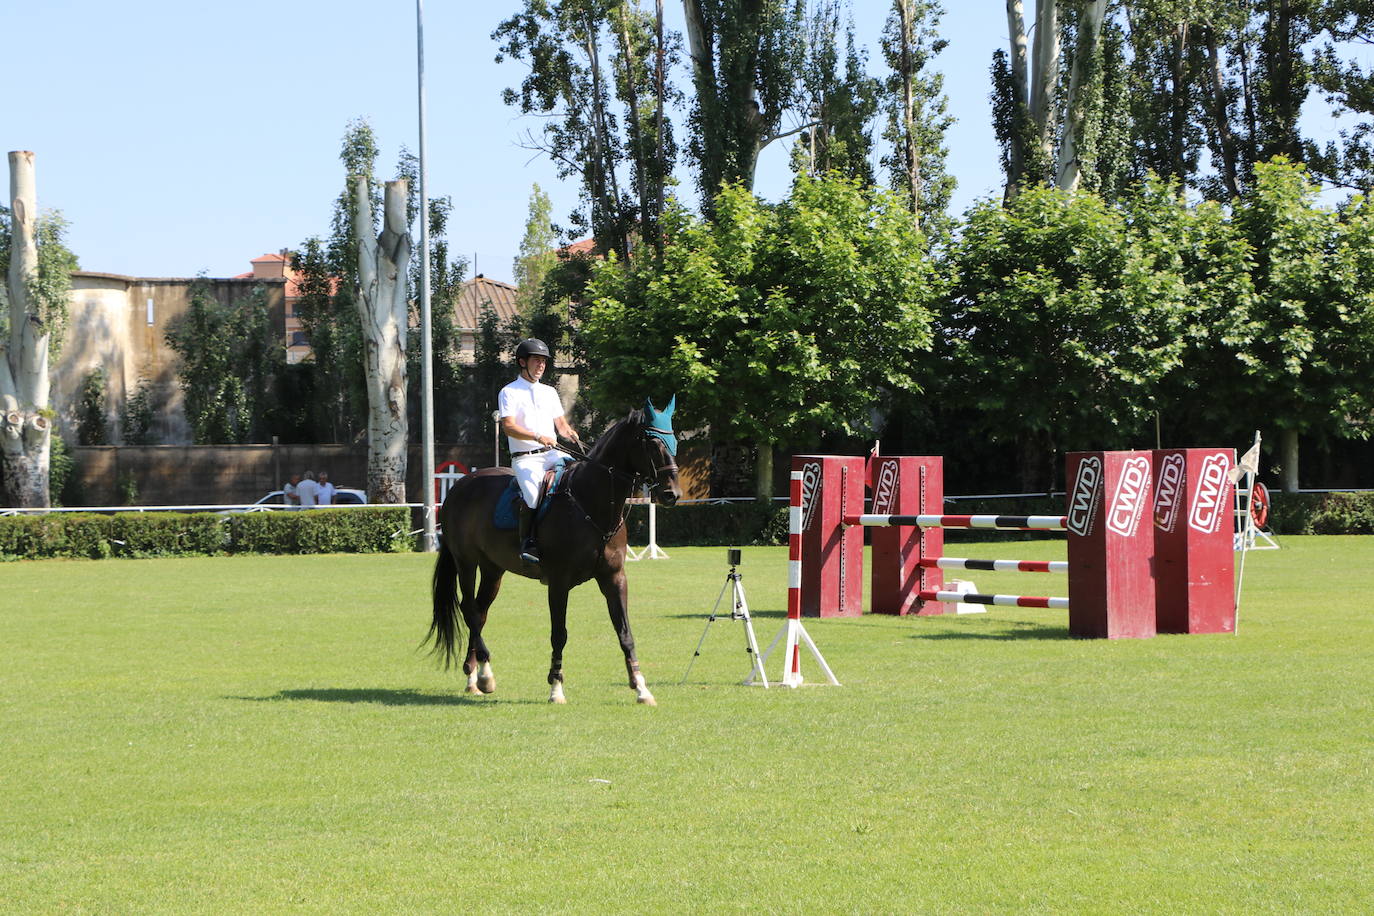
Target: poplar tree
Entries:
(917, 112)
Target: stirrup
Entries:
(529, 552)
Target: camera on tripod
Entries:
(739, 610)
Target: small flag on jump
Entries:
(1248, 463)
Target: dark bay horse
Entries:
(581, 537)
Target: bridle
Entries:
(647, 433)
(653, 432)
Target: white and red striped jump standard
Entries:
(793, 633)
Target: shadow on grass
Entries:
(724, 614)
(381, 696)
(1012, 631)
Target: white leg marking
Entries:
(642, 691)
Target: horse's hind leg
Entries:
(477, 666)
(616, 592)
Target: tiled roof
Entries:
(476, 293)
(581, 246)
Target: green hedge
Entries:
(1321, 513)
(367, 530)
(164, 534)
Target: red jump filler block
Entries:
(1193, 525)
(832, 555)
(1111, 545)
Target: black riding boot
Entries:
(529, 550)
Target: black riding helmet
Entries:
(532, 346)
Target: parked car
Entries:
(343, 496)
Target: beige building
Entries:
(120, 323)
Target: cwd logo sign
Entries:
(1169, 492)
(885, 493)
(1209, 500)
(811, 485)
(1128, 501)
(1087, 486)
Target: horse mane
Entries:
(613, 432)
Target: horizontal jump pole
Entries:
(1045, 566)
(999, 600)
(1012, 522)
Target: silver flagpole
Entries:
(426, 352)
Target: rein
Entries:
(647, 432)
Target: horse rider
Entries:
(532, 418)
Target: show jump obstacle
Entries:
(1148, 550)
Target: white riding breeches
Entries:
(529, 471)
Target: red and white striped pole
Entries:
(793, 634)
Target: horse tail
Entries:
(444, 628)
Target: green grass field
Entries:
(259, 734)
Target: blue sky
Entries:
(185, 137)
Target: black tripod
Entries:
(739, 611)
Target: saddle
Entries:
(504, 516)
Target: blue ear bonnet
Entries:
(659, 424)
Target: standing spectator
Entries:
(293, 501)
(307, 491)
(326, 495)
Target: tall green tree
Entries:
(840, 100)
(229, 354)
(745, 58)
(917, 112)
(329, 283)
(1348, 86)
(595, 76)
(1307, 338)
(771, 322)
(538, 252)
(1059, 328)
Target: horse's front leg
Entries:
(615, 589)
(558, 638)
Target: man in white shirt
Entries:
(327, 490)
(532, 419)
(307, 491)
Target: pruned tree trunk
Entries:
(1225, 146)
(1288, 449)
(1020, 91)
(1045, 77)
(383, 268)
(763, 472)
(1068, 169)
(25, 430)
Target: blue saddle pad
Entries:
(504, 517)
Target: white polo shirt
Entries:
(534, 406)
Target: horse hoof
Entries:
(646, 701)
(486, 685)
(473, 689)
(559, 700)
